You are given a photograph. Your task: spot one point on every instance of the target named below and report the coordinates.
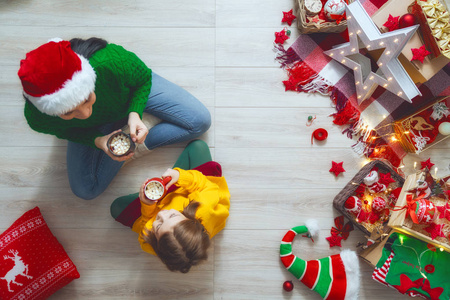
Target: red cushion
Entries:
(33, 264)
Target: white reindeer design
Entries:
(19, 269)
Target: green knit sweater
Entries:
(122, 86)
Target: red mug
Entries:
(155, 188)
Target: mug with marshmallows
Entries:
(155, 188)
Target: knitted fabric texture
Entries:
(122, 86)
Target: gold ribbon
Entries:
(430, 8)
(442, 32)
(438, 20)
(443, 44)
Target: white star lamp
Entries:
(363, 33)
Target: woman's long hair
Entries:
(186, 246)
(87, 47)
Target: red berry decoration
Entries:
(406, 20)
(288, 286)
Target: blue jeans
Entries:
(183, 117)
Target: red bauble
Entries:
(288, 286)
(407, 20)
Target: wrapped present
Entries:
(368, 198)
(419, 72)
(423, 209)
(424, 128)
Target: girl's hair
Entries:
(186, 246)
(87, 47)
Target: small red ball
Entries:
(407, 20)
(288, 286)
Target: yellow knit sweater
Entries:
(211, 192)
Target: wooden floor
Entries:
(221, 51)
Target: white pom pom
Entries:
(56, 40)
(313, 227)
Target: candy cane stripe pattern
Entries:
(334, 277)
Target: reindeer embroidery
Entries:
(19, 269)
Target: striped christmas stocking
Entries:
(334, 277)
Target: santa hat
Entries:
(55, 78)
(334, 277)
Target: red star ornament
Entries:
(316, 21)
(334, 240)
(435, 230)
(448, 194)
(444, 211)
(419, 53)
(426, 164)
(337, 168)
(385, 179)
(392, 23)
(288, 17)
(281, 37)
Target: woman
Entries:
(178, 228)
(86, 90)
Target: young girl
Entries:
(85, 90)
(178, 228)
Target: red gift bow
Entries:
(343, 230)
(338, 18)
(409, 203)
(422, 283)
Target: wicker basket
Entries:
(350, 188)
(306, 28)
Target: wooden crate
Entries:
(400, 222)
(403, 129)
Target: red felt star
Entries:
(435, 230)
(448, 194)
(444, 211)
(385, 178)
(288, 17)
(419, 53)
(428, 164)
(281, 37)
(290, 85)
(334, 240)
(392, 23)
(337, 168)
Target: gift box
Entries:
(425, 128)
(422, 209)
(371, 212)
(307, 27)
(419, 72)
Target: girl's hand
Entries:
(142, 195)
(138, 130)
(102, 143)
(172, 173)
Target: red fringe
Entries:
(301, 73)
(285, 57)
(347, 115)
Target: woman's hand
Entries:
(138, 130)
(102, 143)
(172, 173)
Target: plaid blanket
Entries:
(310, 70)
